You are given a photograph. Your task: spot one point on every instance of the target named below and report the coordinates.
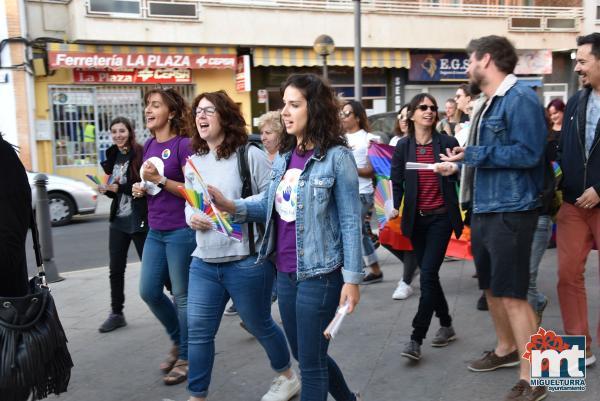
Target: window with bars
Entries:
(81, 119)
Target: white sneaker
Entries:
(282, 388)
(590, 360)
(402, 291)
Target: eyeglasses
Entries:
(424, 107)
(400, 117)
(208, 111)
(345, 114)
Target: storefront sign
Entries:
(438, 67)
(242, 74)
(58, 59)
(145, 76)
(534, 62)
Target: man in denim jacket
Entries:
(502, 179)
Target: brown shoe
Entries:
(178, 374)
(522, 391)
(170, 360)
(490, 361)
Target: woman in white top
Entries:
(401, 128)
(356, 125)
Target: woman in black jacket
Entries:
(429, 216)
(128, 215)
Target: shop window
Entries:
(74, 126)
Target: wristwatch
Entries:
(162, 182)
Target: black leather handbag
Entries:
(34, 359)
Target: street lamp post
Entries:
(324, 46)
(357, 54)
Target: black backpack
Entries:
(244, 169)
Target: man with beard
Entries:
(502, 179)
(578, 221)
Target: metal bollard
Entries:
(42, 214)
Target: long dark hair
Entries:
(231, 120)
(181, 122)
(136, 149)
(359, 111)
(412, 106)
(323, 128)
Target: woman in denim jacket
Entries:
(313, 201)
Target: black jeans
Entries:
(118, 246)
(430, 238)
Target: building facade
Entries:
(101, 56)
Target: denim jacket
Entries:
(508, 158)
(328, 223)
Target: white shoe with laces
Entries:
(402, 291)
(282, 388)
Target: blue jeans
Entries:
(249, 285)
(541, 238)
(368, 250)
(167, 255)
(306, 308)
(430, 238)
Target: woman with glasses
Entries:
(429, 216)
(356, 126)
(170, 241)
(271, 131)
(224, 268)
(312, 199)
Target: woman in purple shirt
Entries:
(170, 242)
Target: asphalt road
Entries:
(80, 245)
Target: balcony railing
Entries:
(404, 7)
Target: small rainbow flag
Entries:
(557, 169)
(221, 222)
(106, 180)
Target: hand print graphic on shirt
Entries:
(287, 194)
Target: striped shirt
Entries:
(429, 195)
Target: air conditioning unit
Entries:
(173, 9)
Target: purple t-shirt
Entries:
(165, 210)
(285, 205)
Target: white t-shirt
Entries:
(359, 143)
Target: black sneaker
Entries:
(372, 278)
(412, 350)
(443, 337)
(482, 303)
(231, 311)
(113, 322)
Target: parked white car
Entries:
(67, 197)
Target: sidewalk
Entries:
(123, 365)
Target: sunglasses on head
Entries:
(345, 114)
(424, 107)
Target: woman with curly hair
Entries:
(222, 268)
(170, 241)
(312, 199)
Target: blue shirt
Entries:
(591, 122)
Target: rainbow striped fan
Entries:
(383, 199)
(221, 221)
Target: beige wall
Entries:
(269, 27)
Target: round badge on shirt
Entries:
(166, 153)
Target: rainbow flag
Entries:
(106, 180)
(221, 222)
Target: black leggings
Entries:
(118, 246)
